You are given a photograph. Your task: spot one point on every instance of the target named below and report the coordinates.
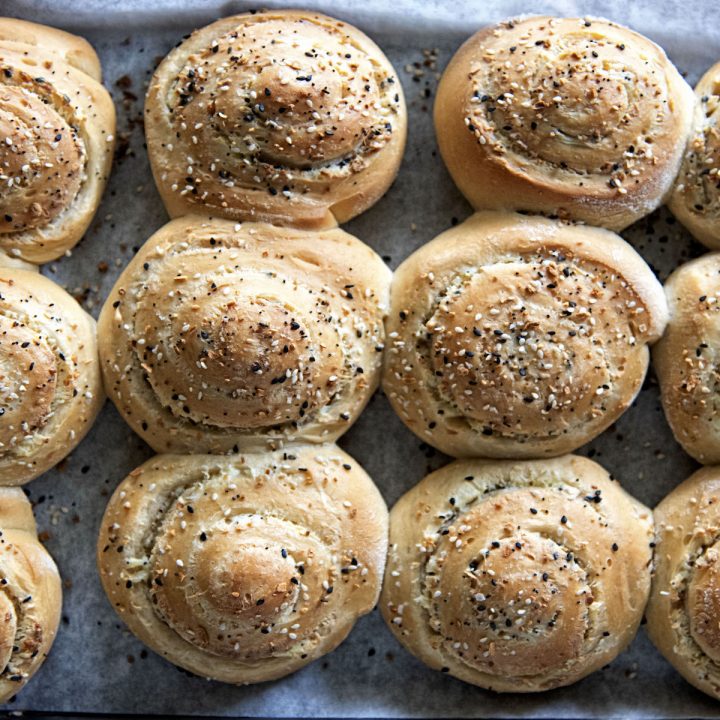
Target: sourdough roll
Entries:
(50, 383)
(579, 118)
(695, 200)
(517, 576)
(244, 568)
(57, 125)
(221, 337)
(682, 614)
(30, 595)
(687, 357)
(515, 336)
(284, 116)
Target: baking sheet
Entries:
(96, 665)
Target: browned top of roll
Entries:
(517, 576)
(577, 117)
(687, 356)
(685, 598)
(50, 383)
(696, 196)
(219, 336)
(57, 127)
(244, 568)
(516, 336)
(30, 594)
(285, 116)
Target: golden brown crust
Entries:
(220, 336)
(58, 125)
(686, 358)
(50, 384)
(683, 608)
(695, 199)
(579, 118)
(30, 595)
(286, 116)
(516, 336)
(74, 50)
(517, 576)
(244, 568)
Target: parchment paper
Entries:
(96, 665)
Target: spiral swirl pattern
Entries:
(518, 337)
(57, 126)
(687, 358)
(696, 196)
(683, 608)
(517, 576)
(286, 117)
(579, 118)
(50, 384)
(30, 595)
(220, 337)
(244, 569)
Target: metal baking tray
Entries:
(96, 666)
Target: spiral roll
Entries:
(50, 383)
(579, 118)
(517, 576)
(244, 568)
(30, 595)
(687, 356)
(57, 125)
(74, 50)
(220, 337)
(682, 614)
(513, 336)
(695, 200)
(288, 117)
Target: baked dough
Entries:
(57, 124)
(686, 359)
(695, 200)
(514, 336)
(517, 576)
(284, 116)
(244, 568)
(74, 50)
(579, 118)
(684, 606)
(50, 384)
(221, 337)
(30, 594)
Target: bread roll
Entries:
(514, 336)
(73, 50)
(57, 123)
(695, 200)
(517, 576)
(682, 614)
(50, 383)
(687, 356)
(244, 568)
(30, 595)
(220, 337)
(579, 118)
(284, 116)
